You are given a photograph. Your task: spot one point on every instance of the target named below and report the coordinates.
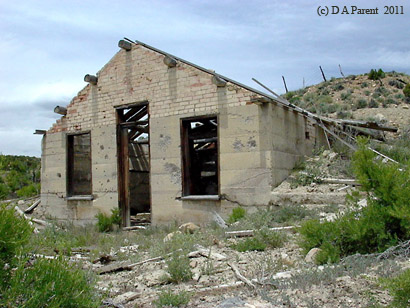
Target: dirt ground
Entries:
(281, 278)
(223, 277)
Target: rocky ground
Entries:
(280, 277)
(132, 268)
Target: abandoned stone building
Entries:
(153, 133)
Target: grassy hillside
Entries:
(19, 176)
(349, 97)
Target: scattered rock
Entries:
(233, 302)
(311, 256)
(380, 118)
(126, 249)
(282, 275)
(405, 107)
(169, 236)
(332, 155)
(193, 264)
(196, 277)
(188, 228)
(125, 298)
(105, 259)
(20, 202)
(155, 277)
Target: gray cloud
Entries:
(46, 47)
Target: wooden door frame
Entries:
(123, 161)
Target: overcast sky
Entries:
(46, 47)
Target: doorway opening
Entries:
(134, 189)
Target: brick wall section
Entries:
(139, 75)
(250, 138)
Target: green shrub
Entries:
(346, 95)
(364, 85)
(237, 214)
(312, 174)
(361, 103)
(375, 75)
(397, 149)
(104, 222)
(406, 90)
(382, 223)
(344, 115)
(250, 244)
(396, 83)
(167, 298)
(382, 91)
(389, 101)
(49, 283)
(116, 216)
(16, 172)
(15, 232)
(178, 267)
(373, 104)
(399, 96)
(338, 87)
(4, 191)
(29, 190)
(399, 287)
(328, 254)
(272, 239)
(285, 213)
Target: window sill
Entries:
(202, 197)
(80, 198)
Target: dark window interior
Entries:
(79, 164)
(200, 156)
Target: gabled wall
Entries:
(258, 145)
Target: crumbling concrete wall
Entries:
(104, 176)
(254, 141)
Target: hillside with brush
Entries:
(19, 176)
(374, 96)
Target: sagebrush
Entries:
(381, 224)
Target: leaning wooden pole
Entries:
(284, 82)
(341, 73)
(323, 74)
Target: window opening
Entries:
(200, 156)
(79, 165)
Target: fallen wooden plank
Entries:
(20, 212)
(341, 181)
(219, 220)
(368, 124)
(344, 188)
(116, 267)
(32, 207)
(134, 228)
(40, 222)
(208, 253)
(240, 276)
(243, 233)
